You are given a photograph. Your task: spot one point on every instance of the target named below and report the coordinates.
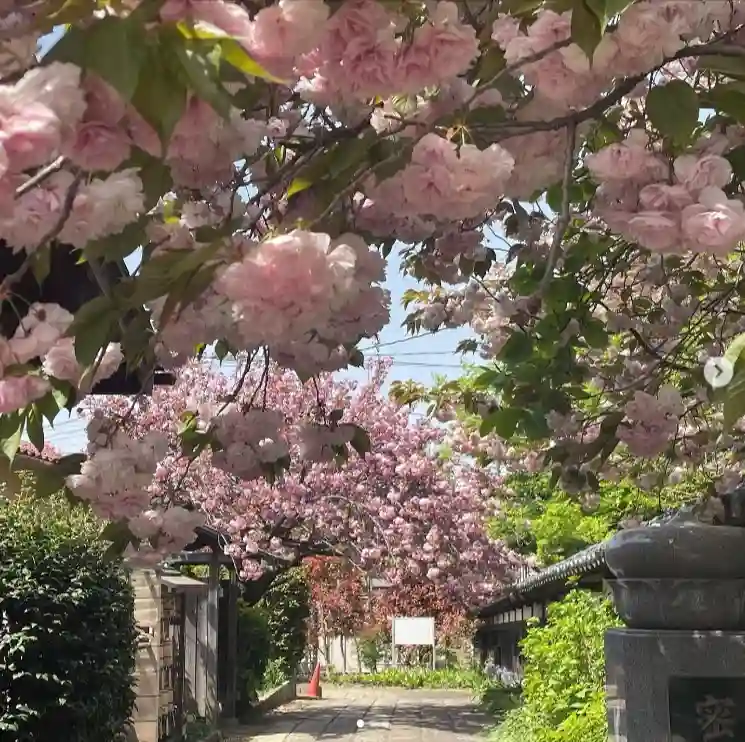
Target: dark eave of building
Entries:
(207, 537)
(549, 582)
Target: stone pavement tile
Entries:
(390, 715)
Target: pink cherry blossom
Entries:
(697, 173)
(627, 160)
(18, 391)
(99, 147)
(656, 230)
(715, 224)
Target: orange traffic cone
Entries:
(314, 687)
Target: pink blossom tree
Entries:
(266, 157)
(399, 510)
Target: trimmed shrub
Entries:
(67, 632)
(419, 677)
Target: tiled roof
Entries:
(589, 560)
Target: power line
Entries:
(406, 340)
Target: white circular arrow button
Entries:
(718, 372)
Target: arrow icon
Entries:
(718, 372)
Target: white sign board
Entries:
(413, 631)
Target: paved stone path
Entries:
(389, 715)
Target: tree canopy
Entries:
(563, 176)
(402, 511)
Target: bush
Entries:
(271, 636)
(67, 633)
(449, 678)
(563, 696)
(371, 645)
(254, 643)
(286, 607)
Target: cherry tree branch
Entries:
(563, 221)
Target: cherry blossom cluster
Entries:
(40, 337)
(686, 213)
(303, 295)
(399, 510)
(296, 138)
(444, 181)
(651, 421)
(647, 33)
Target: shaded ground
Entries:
(389, 714)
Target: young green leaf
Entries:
(673, 109)
(503, 422)
(587, 25)
(160, 97)
(91, 328)
(35, 427)
(200, 73)
(112, 47)
(734, 397)
(11, 430)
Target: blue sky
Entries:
(417, 358)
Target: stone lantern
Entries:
(676, 673)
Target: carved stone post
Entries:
(676, 673)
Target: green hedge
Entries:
(563, 698)
(286, 606)
(254, 640)
(67, 633)
(272, 636)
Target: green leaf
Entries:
(728, 98)
(518, 347)
(490, 64)
(156, 181)
(727, 65)
(112, 47)
(119, 536)
(91, 328)
(616, 7)
(187, 290)
(222, 350)
(41, 264)
(115, 247)
(11, 430)
(35, 427)
(201, 76)
(48, 406)
(588, 25)
(735, 349)
(234, 54)
(503, 422)
(673, 110)
(160, 97)
(62, 392)
(333, 161)
(734, 400)
(595, 334)
(361, 441)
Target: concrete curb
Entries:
(277, 696)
